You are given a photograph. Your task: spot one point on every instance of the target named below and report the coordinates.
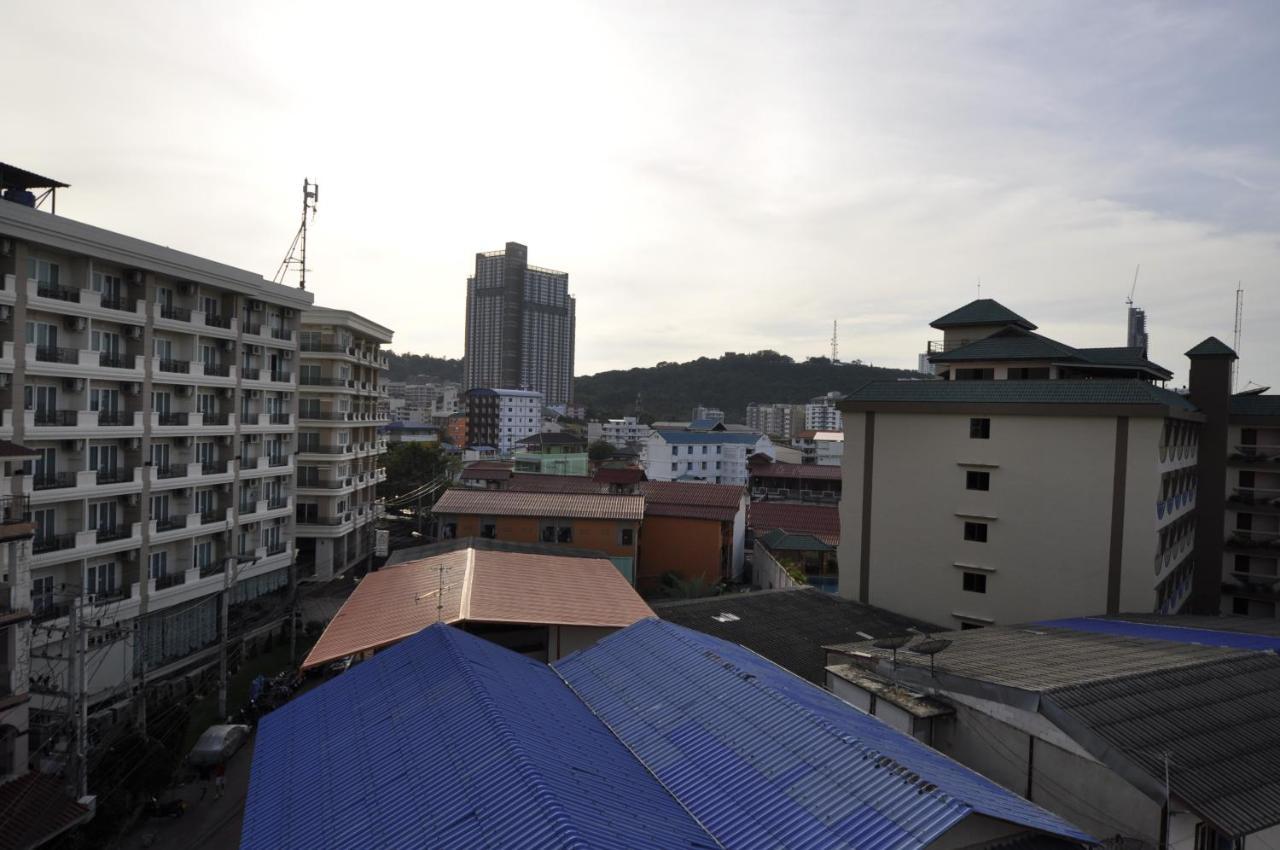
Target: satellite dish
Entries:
(930, 647)
(893, 644)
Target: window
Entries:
(160, 507)
(627, 536)
(42, 335)
(1240, 605)
(44, 521)
(161, 402)
(109, 285)
(688, 450)
(675, 467)
(202, 554)
(41, 593)
(42, 271)
(1242, 564)
(104, 400)
(975, 480)
(489, 530)
(102, 515)
(552, 533)
(159, 565)
(162, 348)
(100, 579)
(1029, 373)
(975, 531)
(106, 342)
(975, 374)
(704, 449)
(975, 582)
(979, 429)
(104, 458)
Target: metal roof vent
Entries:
(725, 617)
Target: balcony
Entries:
(47, 354)
(213, 320)
(276, 548)
(280, 418)
(58, 293)
(324, 520)
(176, 314)
(281, 333)
(52, 543)
(248, 418)
(217, 419)
(53, 480)
(108, 533)
(1266, 497)
(218, 567)
(176, 470)
(277, 503)
(113, 475)
(322, 381)
(170, 580)
(324, 450)
(282, 377)
(210, 517)
(251, 374)
(108, 360)
(14, 510)
(116, 418)
(56, 418)
(177, 366)
(252, 329)
(123, 305)
(320, 484)
(1255, 454)
(324, 416)
(171, 523)
(172, 420)
(326, 348)
(217, 370)
(278, 461)
(248, 508)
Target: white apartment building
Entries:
(340, 396)
(502, 418)
(159, 392)
(821, 413)
(716, 456)
(618, 433)
(15, 617)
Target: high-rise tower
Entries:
(520, 326)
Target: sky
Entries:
(713, 176)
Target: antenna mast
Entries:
(835, 341)
(297, 255)
(1235, 364)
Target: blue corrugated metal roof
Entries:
(763, 758)
(448, 741)
(697, 437)
(1178, 634)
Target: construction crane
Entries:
(1129, 301)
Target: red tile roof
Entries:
(514, 503)
(541, 482)
(486, 470)
(615, 475)
(479, 586)
(34, 808)
(687, 499)
(822, 521)
(797, 470)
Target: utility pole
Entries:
(79, 705)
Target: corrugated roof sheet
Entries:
(1255, 405)
(806, 769)
(983, 311)
(566, 505)
(450, 742)
(796, 470)
(693, 500)
(540, 482)
(822, 521)
(1171, 632)
(616, 475)
(788, 627)
(34, 808)
(1066, 392)
(708, 437)
(479, 586)
(779, 540)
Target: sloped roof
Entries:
(34, 808)
(796, 470)
(1128, 392)
(486, 470)
(788, 627)
(479, 586)
(566, 505)
(450, 742)
(12, 451)
(1255, 405)
(1212, 347)
(617, 475)
(822, 521)
(552, 439)
(781, 540)
(1015, 343)
(541, 482)
(983, 311)
(708, 437)
(700, 501)
(705, 715)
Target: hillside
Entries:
(423, 367)
(668, 391)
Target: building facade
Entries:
(780, 421)
(519, 326)
(822, 414)
(702, 413)
(501, 418)
(1251, 562)
(159, 391)
(618, 433)
(716, 456)
(341, 390)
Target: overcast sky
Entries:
(713, 176)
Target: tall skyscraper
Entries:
(520, 326)
(1137, 333)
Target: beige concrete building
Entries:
(1251, 562)
(342, 395)
(1016, 489)
(159, 393)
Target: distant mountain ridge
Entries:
(423, 367)
(669, 391)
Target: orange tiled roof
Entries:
(479, 586)
(686, 499)
(822, 521)
(566, 505)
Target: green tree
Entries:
(410, 465)
(600, 450)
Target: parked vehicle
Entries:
(169, 809)
(340, 666)
(218, 744)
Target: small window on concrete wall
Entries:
(627, 536)
(975, 480)
(975, 531)
(975, 582)
(980, 429)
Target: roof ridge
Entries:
(560, 819)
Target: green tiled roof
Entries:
(1255, 405)
(984, 311)
(1098, 391)
(781, 540)
(1212, 347)
(1014, 343)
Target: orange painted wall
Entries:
(600, 534)
(688, 547)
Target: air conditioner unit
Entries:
(135, 443)
(135, 276)
(288, 355)
(253, 349)
(185, 389)
(134, 388)
(255, 306)
(186, 287)
(5, 379)
(132, 500)
(75, 323)
(4, 312)
(228, 344)
(133, 332)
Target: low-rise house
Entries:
(694, 532)
(800, 482)
(410, 432)
(715, 454)
(794, 543)
(1157, 729)
(552, 454)
(502, 417)
(605, 523)
(542, 605)
(655, 738)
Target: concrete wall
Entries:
(1049, 516)
(688, 547)
(768, 573)
(566, 640)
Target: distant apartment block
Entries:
(821, 413)
(501, 418)
(519, 326)
(159, 393)
(780, 421)
(618, 433)
(709, 415)
(339, 446)
(824, 448)
(713, 455)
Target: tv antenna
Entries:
(297, 255)
(438, 593)
(835, 341)
(1235, 364)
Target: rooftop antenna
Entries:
(297, 255)
(835, 341)
(893, 644)
(1235, 364)
(438, 593)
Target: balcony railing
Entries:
(115, 361)
(53, 354)
(114, 475)
(59, 418)
(52, 543)
(115, 418)
(218, 370)
(171, 523)
(43, 607)
(321, 381)
(176, 470)
(326, 347)
(248, 418)
(59, 293)
(113, 532)
(210, 467)
(324, 416)
(246, 558)
(249, 373)
(276, 548)
(1256, 496)
(183, 366)
(321, 520)
(213, 320)
(278, 460)
(53, 480)
(125, 305)
(282, 377)
(324, 450)
(247, 508)
(217, 418)
(281, 333)
(178, 314)
(207, 517)
(216, 568)
(1254, 452)
(277, 503)
(319, 484)
(280, 419)
(170, 580)
(249, 328)
(174, 419)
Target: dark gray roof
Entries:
(1211, 347)
(1014, 343)
(1255, 405)
(1124, 356)
(984, 311)
(1101, 391)
(788, 627)
(1219, 721)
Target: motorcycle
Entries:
(168, 809)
